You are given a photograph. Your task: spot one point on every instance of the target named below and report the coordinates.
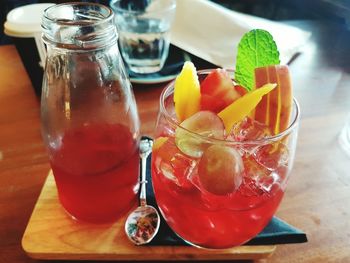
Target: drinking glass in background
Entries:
(344, 138)
(144, 32)
(89, 117)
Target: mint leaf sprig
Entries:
(256, 49)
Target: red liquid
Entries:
(205, 219)
(96, 170)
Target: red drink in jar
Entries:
(96, 171)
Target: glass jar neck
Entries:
(79, 26)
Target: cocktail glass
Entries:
(209, 220)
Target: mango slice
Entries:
(275, 108)
(241, 107)
(187, 92)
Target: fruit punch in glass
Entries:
(225, 146)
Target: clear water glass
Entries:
(144, 32)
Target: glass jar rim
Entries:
(169, 89)
(91, 26)
(72, 22)
(115, 7)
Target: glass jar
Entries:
(90, 123)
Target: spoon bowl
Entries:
(143, 223)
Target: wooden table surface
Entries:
(318, 195)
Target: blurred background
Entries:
(337, 11)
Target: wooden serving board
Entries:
(52, 234)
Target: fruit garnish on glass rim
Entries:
(218, 91)
(187, 92)
(263, 91)
(257, 64)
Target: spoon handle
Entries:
(143, 182)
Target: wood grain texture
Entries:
(318, 195)
(52, 234)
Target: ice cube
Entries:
(252, 193)
(259, 179)
(249, 130)
(177, 171)
(249, 188)
(163, 151)
(204, 123)
(272, 155)
(174, 165)
(183, 167)
(282, 172)
(165, 127)
(269, 184)
(167, 171)
(253, 169)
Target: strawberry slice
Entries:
(218, 91)
(211, 103)
(240, 90)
